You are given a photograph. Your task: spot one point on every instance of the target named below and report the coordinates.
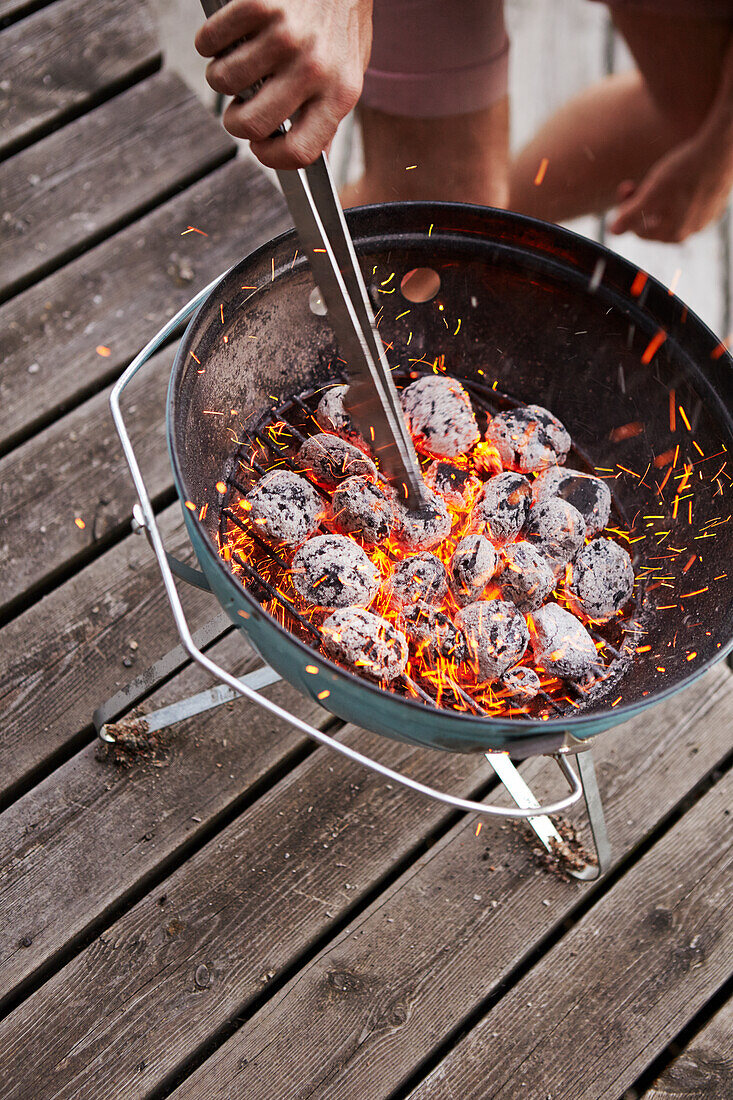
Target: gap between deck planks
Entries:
(67, 58)
(156, 137)
(10, 10)
(704, 1069)
(118, 294)
(64, 656)
(588, 1017)
(258, 897)
(94, 832)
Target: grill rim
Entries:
(510, 730)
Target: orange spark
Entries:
(639, 283)
(541, 171)
(80, 523)
(653, 346)
(626, 431)
(105, 352)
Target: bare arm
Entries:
(689, 186)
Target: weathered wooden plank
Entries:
(116, 295)
(235, 915)
(704, 1069)
(694, 269)
(597, 1009)
(80, 184)
(252, 901)
(66, 58)
(557, 50)
(64, 656)
(76, 471)
(80, 841)
(362, 1017)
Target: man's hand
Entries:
(680, 194)
(312, 55)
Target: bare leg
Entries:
(617, 129)
(461, 158)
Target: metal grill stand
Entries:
(107, 716)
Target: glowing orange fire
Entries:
(453, 685)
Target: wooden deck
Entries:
(241, 914)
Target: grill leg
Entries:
(543, 826)
(147, 681)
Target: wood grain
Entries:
(75, 470)
(119, 293)
(64, 656)
(66, 58)
(255, 899)
(92, 832)
(99, 173)
(598, 1007)
(704, 1069)
(360, 1019)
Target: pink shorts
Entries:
(432, 58)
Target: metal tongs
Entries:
(371, 399)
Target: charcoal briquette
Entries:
(366, 642)
(334, 571)
(528, 438)
(602, 579)
(440, 416)
(496, 636)
(284, 507)
(421, 578)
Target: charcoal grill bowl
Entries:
(531, 318)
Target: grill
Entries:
(526, 313)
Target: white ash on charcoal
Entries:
(524, 576)
(496, 636)
(421, 578)
(602, 579)
(589, 494)
(366, 642)
(472, 566)
(284, 507)
(440, 416)
(557, 530)
(528, 438)
(329, 460)
(332, 416)
(427, 627)
(454, 484)
(424, 528)
(334, 571)
(561, 645)
(503, 507)
(359, 507)
(522, 682)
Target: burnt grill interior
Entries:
(526, 313)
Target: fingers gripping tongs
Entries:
(371, 399)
